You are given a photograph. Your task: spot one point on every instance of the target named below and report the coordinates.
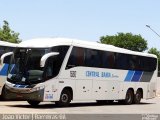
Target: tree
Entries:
(157, 53)
(126, 40)
(8, 35)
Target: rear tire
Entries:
(129, 97)
(65, 99)
(33, 103)
(138, 97)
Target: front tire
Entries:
(33, 103)
(65, 99)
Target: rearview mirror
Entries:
(5, 58)
(45, 57)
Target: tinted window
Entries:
(108, 59)
(132, 62)
(54, 63)
(92, 58)
(122, 61)
(148, 64)
(76, 58)
(105, 59)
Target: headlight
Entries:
(37, 88)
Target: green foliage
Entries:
(157, 53)
(6, 34)
(126, 40)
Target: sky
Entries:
(82, 19)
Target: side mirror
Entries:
(5, 58)
(45, 57)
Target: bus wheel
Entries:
(137, 97)
(129, 97)
(33, 103)
(65, 99)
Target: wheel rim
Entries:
(64, 98)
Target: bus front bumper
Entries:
(21, 94)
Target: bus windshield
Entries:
(25, 67)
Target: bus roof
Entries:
(3, 43)
(50, 42)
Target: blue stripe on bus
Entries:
(137, 76)
(4, 70)
(129, 75)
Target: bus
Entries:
(4, 48)
(62, 70)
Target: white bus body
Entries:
(92, 72)
(4, 48)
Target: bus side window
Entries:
(153, 63)
(76, 58)
(93, 58)
(49, 68)
(105, 63)
(96, 55)
(149, 64)
(131, 62)
(111, 60)
(88, 62)
(121, 61)
(108, 59)
(72, 59)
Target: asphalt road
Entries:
(147, 110)
(146, 106)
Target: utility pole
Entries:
(152, 30)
